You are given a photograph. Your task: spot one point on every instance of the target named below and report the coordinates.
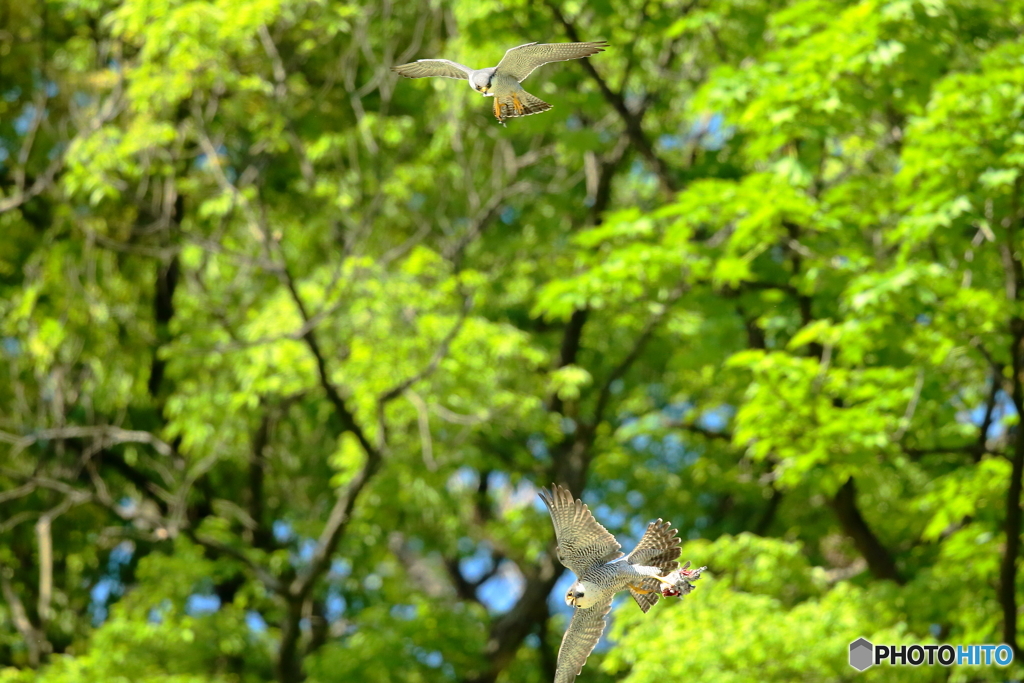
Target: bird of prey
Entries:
(502, 82)
(593, 554)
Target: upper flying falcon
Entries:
(502, 82)
(593, 554)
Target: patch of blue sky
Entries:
(609, 517)
(110, 587)
(403, 612)
(431, 658)
(255, 621)
(334, 606)
(200, 604)
(538, 447)
(636, 499)
(497, 480)
(717, 418)
(463, 479)
(616, 486)
(476, 566)
(307, 547)
(121, 555)
(23, 121)
(282, 531)
(156, 614)
(500, 592)
(670, 142)
(340, 568)
(100, 596)
(641, 442)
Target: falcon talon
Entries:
(593, 554)
(502, 82)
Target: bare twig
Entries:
(107, 435)
(911, 408)
(43, 533)
(632, 120)
(18, 492)
(423, 421)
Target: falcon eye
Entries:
(579, 594)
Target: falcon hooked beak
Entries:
(578, 596)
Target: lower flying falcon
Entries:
(593, 554)
(502, 82)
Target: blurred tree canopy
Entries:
(289, 343)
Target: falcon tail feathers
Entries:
(516, 104)
(645, 600)
(533, 105)
(659, 547)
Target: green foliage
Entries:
(288, 344)
(767, 638)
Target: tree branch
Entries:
(439, 354)
(258, 570)
(570, 349)
(638, 346)
(107, 435)
(764, 522)
(1014, 274)
(509, 630)
(261, 535)
(45, 537)
(34, 641)
(880, 562)
(693, 428)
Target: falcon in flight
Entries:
(502, 82)
(593, 554)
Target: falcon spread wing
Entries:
(659, 547)
(582, 542)
(520, 62)
(422, 68)
(579, 640)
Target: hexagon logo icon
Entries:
(861, 654)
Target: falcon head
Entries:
(481, 80)
(581, 595)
